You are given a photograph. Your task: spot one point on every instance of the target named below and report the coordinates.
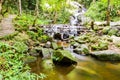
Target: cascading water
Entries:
(77, 19)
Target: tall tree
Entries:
(108, 13)
(37, 8)
(20, 7)
(94, 1)
(1, 6)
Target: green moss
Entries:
(106, 30)
(20, 47)
(112, 31)
(29, 59)
(9, 37)
(100, 46)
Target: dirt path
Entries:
(6, 25)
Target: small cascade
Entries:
(78, 15)
(64, 31)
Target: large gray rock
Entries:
(116, 40)
(100, 23)
(63, 57)
(107, 55)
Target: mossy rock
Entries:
(63, 57)
(100, 46)
(75, 44)
(54, 45)
(84, 50)
(105, 30)
(47, 64)
(103, 46)
(29, 59)
(46, 53)
(118, 34)
(34, 52)
(106, 55)
(112, 31)
(116, 40)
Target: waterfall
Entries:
(77, 19)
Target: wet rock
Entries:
(75, 45)
(47, 64)
(116, 40)
(57, 36)
(118, 34)
(48, 44)
(29, 59)
(100, 23)
(83, 49)
(34, 52)
(114, 24)
(54, 45)
(105, 30)
(112, 31)
(46, 53)
(81, 39)
(63, 57)
(65, 36)
(77, 50)
(100, 46)
(107, 55)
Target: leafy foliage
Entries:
(98, 12)
(11, 64)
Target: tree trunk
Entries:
(20, 7)
(108, 13)
(94, 1)
(37, 8)
(1, 6)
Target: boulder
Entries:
(48, 44)
(100, 23)
(82, 50)
(63, 57)
(46, 53)
(107, 55)
(75, 45)
(47, 64)
(34, 52)
(112, 31)
(57, 36)
(105, 30)
(113, 24)
(54, 45)
(116, 40)
(102, 45)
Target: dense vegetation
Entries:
(31, 15)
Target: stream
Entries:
(87, 68)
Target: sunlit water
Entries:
(87, 68)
